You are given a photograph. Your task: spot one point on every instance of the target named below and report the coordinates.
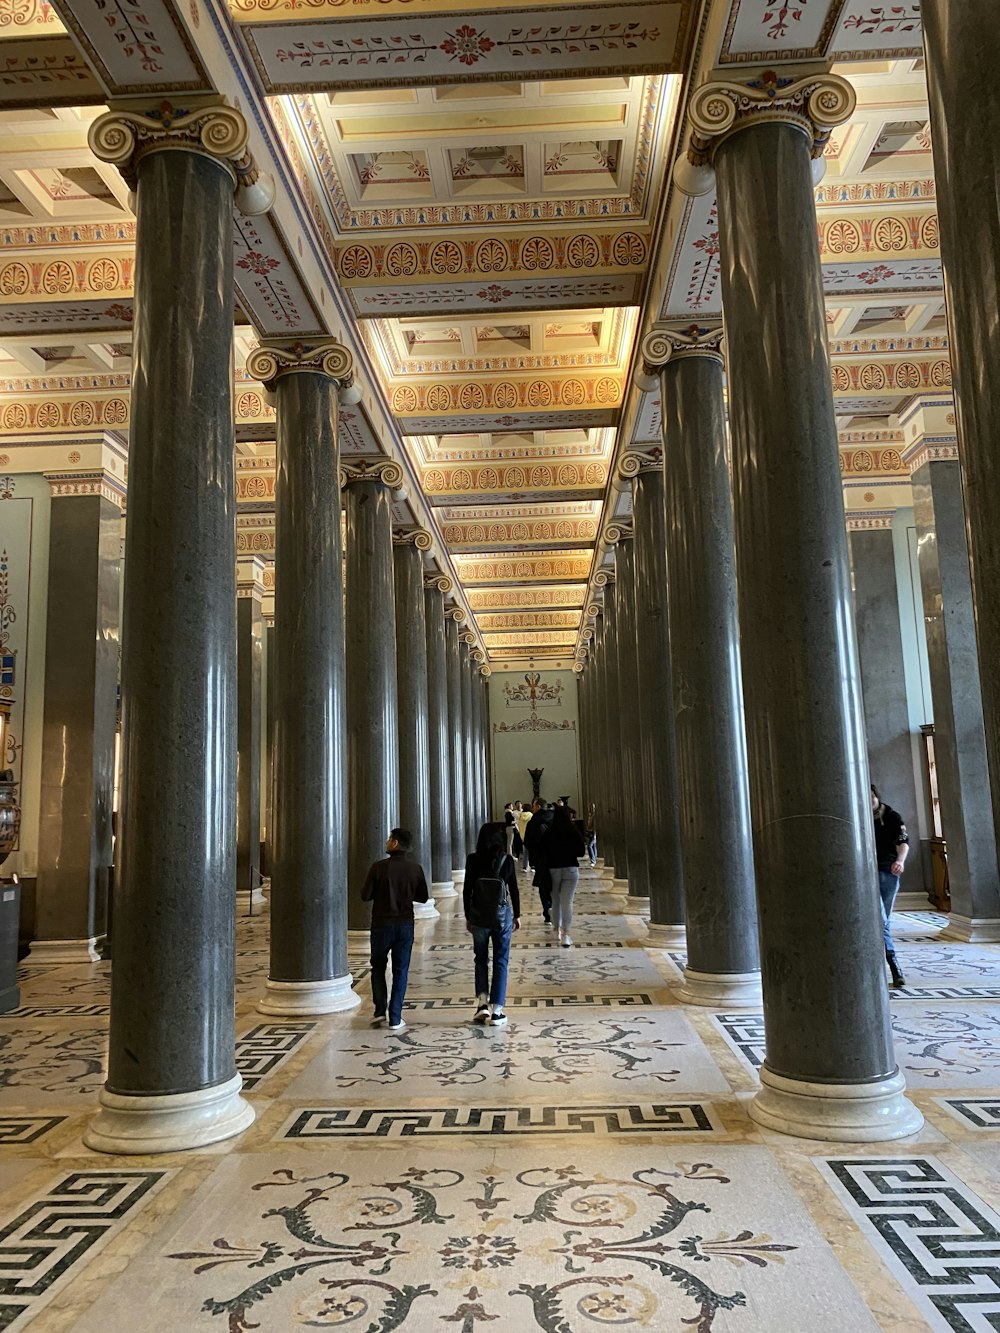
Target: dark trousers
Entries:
(543, 879)
(395, 938)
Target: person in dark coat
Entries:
(490, 860)
(534, 841)
(892, 845)
(563, 849)
(392, 887)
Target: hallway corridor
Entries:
(591, 1166)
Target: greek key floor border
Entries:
(601, 1121)
(467, 1005)
(17, 1128)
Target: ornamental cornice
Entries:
(384, 470)
(870, 522)
(272, 361)
(636, 460)
(932, 451)
(815, 104)
(418, 537)
(441, 582)
(102, 483)
(672, 342)
(124, 136)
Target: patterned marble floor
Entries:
(590, 1166)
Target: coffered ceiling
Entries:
(479, 203)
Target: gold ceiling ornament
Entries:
(418, 537)
(634, 461)
(815, 104)
(617, 532)
(440, 581)
(671, 342)
(124, 136)
(385, 470)
(269, 362)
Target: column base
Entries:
(444, 889)
(618, 887)
(170, 1122)
(636, 906)
(296, 998)
(425, 911)
(357, 939)
(254, 897)
(458, 876)
(970, 929)
(726, 990)
(842, 1112)
(666, 937)
(65, 951)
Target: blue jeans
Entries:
(500, 935)
(396, 939)
(591, 840)
(564, 882)
(888, 887)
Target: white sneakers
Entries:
(482, 1009)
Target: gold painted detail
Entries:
(871, 461)
(877, 233)
(538, 476)
(418, 537)
(269, 362)
(28, 18)
(670, 342)
(534, 530)
(815, 104)
(444, 396)
(439, 581)
(556, 638)
(58, 414)
(55, 279)
(100, 483)
(481, 599)
(531, 568)
(123, 136)
(366, 263)
(385, 470)
(909, 375)
(527, 620)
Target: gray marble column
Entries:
(249, 652)
(411, 694)
(372, 733)
(268, 777)
(960, 44)
(456, 744)
(880, 653)
(633, 816)
(614, 784)
(308, 967)
(699, 583)
(468, 745)
(659, 784)
(172, 1080)
(442, 884)
(829, 1069)
(605, 833)
(583, 737)
(960, 745)
(78, 724)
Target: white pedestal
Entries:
(842, 1112)
(617, 888)
(64, 951)
(425, 911)
(637, 906)
(254, 897)
(168, 1123)
(666, 937)
(444, 889)
(725, 990)
(458, 876)
(300, 998)
(973, 930)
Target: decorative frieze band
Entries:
(385, 470)
(123, 137)
(269, 362)
(62, 484)
(815, 104)
(870, 522)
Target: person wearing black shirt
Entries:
(392, 887)
(490, 860)
(563, 849)
(534, 841)
(892, 844)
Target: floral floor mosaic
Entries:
(590, 1166)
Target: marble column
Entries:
(249, 652)
(460, 848)
(960, 744)
(659, 783)
(172, 1080)
(829, 1070)
(614, 814)
(442, 885)
(372, 733)
(78, 725)
(268, 774)
(605, 834)
(468, 742)
(960, 44)
(583, 737)
(699, 582)
(633, 817)
(308, 966)
(411, 693)
(883, 682)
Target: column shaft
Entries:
(456, 745)
(960, 47)
(249, 651)
(372, 736)
(411, 693)
(172, 998)
(605, 831)
(723, 955)
(825, 998)
(78, 737)
(632, 820)
(468, 749)
(440, 754)
(659, 803)
(612, 737)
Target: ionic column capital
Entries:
(672, 342)
(272, 361)
(615, 533)
(439, 581)
(486, 672)
(123, 136)
(385, 470)
(634, 461)
(418, 537)
(604, 578)
(454, 613)
(814, 104)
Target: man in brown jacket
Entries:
(392, 887)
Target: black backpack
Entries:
(488, 901)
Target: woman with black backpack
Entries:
(492, 912)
